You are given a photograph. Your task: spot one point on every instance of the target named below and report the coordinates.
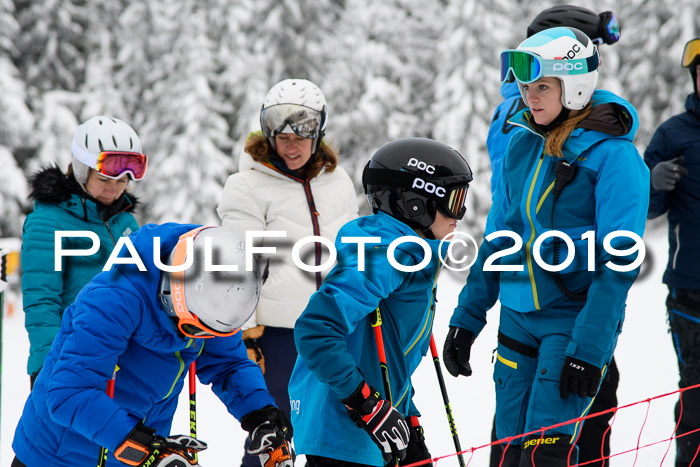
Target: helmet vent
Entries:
(99, 142)
(114, 140)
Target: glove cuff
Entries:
(413, 421)
(257, 417)
(277, 419)
(579, 366)
(363, 399)
(137, 446)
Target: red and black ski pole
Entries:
(102, 460)
(446, 400)
(377, 325)
(193, 402)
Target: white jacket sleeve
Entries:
(239, 211)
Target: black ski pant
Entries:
(684, 317)
(595, 433)
(277, 345)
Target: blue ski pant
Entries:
(531, 353)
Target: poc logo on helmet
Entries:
(566, 66)
(428, 186)
(420, 165)
(575, 49)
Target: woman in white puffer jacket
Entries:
(288, 180)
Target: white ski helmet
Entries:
(566, 44)
(96, 135)
(205, 298)
(294, 106)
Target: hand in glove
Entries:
(455, 353)
(268, 429)
(380, 420)
(666, 174)
(579, 377)
(250, 339)
(144, 448)
(417, 450)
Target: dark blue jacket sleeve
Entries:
(658, 150)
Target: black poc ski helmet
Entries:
(593, 25)
(411, 179)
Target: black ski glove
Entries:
(455, 353)
(579, 377)
(144, 448)
(666, 174)
(417, 450)
(268, 430)
(380, 420)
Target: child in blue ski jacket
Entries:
(344, 411)
(572, 198)
(144, 328)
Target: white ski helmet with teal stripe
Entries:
(575, 63)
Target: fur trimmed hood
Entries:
(51, 185)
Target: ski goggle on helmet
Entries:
(691, 52)
(113, 164)
(294, 106)
(609, 31)
(527, 67)
(564, 53)
(110, 147)
(204, 294)
(302, 120)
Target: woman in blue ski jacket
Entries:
(127, 325)
(91, 196)
(343, 413)
(601, 28)
(573, 196)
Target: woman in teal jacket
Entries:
(571, 183)
(337, 383)
(90, 197)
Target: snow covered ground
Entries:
(644, 355)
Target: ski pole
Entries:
(102, 460)
(377, 325)
(193, 402)
(446, 400)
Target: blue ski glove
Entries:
(579, 377)
(456, 352)
(144, 448)
(666, 174)
(269, 428)
(380, 420)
